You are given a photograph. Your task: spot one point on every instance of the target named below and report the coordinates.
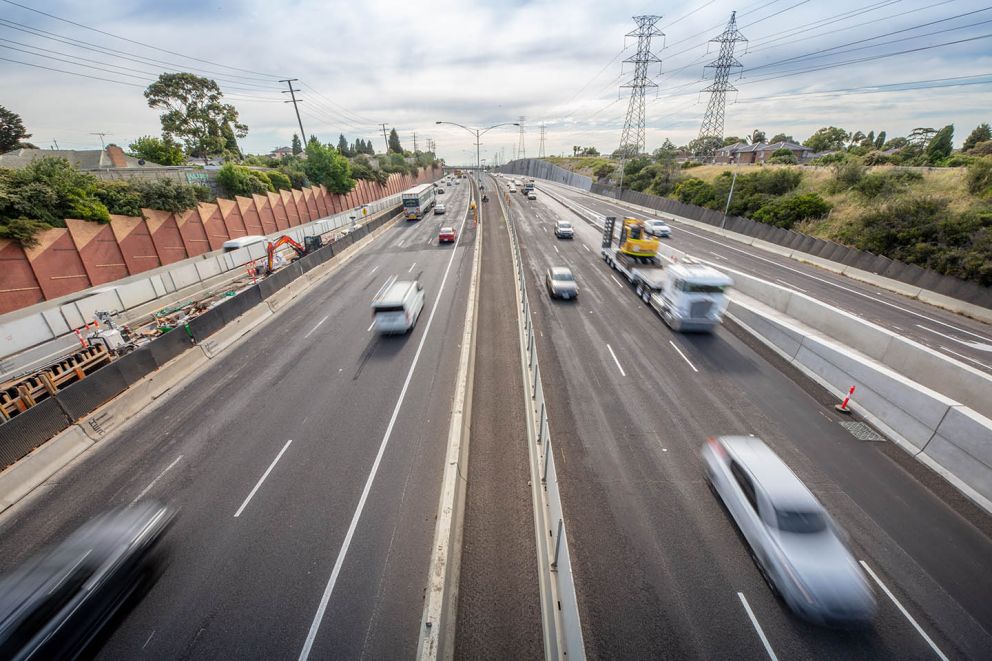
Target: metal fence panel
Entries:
(83, 396)
(30, 429)
(136, 365)
(166, 347)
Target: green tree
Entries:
(158, 150)
(895, 143)
(781, 137)
(789, 210)
(343, 146)
(941, 145)
(195, 113)
(880, 140)
(170, 195)
(231, 147)
(324, 165)
(279, 180)
(705, 145)
(783, 156)
(733, 140)
(695, 191)
(981, 133)
(239, 180)
(757, 136)
(394, 142)
(12, 131)
(297, 145)
(827, 138)
(49, 190)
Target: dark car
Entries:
(54, 606)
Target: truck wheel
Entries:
(639, 290)
(646, 297)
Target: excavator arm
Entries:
(282, 240)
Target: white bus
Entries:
(418, 201)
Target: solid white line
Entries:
(586, 247)
(789, 284)
(683, 356)
(557, 251)
(619, 284)
(717, 255)
(622, 373)
(411, 267)
(967, 343)
(153, 482)
(339, 562)
(316, 327)
(262, 479)
(374, 269)
(757, 627)
(961, 355)
(370, 326)
(909, 617)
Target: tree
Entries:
(980, 178)
(921, 136)
(158, 150)
(781, 137)
(195, 113)
(705, 145)
(757, 136)
(895, 143)
(981, 133)
(880, 140)
(826, 139)
(343, 148)
(12, 130)
(941, 145)
(50, 190)
(869, 140)
(297, 145)
(733, 140)
(324, 165)
(231, 148)
(239, 180)
(856, 138)
(394, 142)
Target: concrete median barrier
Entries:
(962, 449)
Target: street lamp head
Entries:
(439, 122)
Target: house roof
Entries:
(85, 159)
(741, 147)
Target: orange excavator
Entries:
(274, 245)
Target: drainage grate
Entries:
(861, 431)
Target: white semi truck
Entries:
(689, 295)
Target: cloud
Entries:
(408, 64)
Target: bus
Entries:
(418, 201)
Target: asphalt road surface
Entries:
(659, 567)
(963, 338)
(292, 535)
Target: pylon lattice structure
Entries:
(521, 147)
(632, 139)
(722, 66)
(540, 151)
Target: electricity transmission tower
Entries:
(521, 147)
(632, 138)
(723, 65)
(540, 151)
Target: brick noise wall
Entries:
(85, 254)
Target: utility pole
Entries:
(712, 126)
(414, 142)
(56, 143)
(292, 94)
(521, 147)
(540, 151)
(726, 209)
(632, 138)
(102, 143)
(385, 137)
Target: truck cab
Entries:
(691, 297)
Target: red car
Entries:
(447, 235)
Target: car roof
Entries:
(777, 480)
(560, 270)
(394, 294)
(446, 228)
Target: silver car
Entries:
(657, 227)
(561, 283)
(792, 539)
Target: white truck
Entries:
(689, 295)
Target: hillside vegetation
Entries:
(939, 218)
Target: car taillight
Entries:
(717, 448)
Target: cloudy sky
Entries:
(807, 63)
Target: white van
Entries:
(397, 306)
(242, 242)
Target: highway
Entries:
(659, 567)
(965, 339)
(305, 465)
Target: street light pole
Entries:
(478, 133)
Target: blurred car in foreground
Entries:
(55, 606)
(793, 540)
(561, 283)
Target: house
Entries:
(279, 152)
(88, 160)
(758, 152)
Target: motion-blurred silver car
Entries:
(561, 283)
(792, 539)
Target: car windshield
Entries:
(566, 276)
(800, 521)
(565, 225)
(694, 288)
(446, 230)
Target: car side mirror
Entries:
(420, 286)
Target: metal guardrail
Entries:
(556, 560)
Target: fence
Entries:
(538, 169)
(25, 428)
(556, 551)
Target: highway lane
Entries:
(963, 338)
(267, 453)
(658, 564)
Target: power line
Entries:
(363, 121)
(713, 120)
(632, 138)
(72, 73)
(139, 43)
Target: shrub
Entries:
(50, 190)
(982, 149)
(687, 165)
(876, 158)
(239, 180)
(695, 191)
(980, 178)
(789, 210)
(171, 195)
(279, 180)
(784, 159)
(958, 161)
(831, 159)
(603, 170)
(120, 198)
(847, 175)
(23, 230)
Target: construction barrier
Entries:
(99, 387)
(166, 347)
(28, 430)
(136, 365)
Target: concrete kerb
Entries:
(438, 622)
(933, 298)
(142, 398)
